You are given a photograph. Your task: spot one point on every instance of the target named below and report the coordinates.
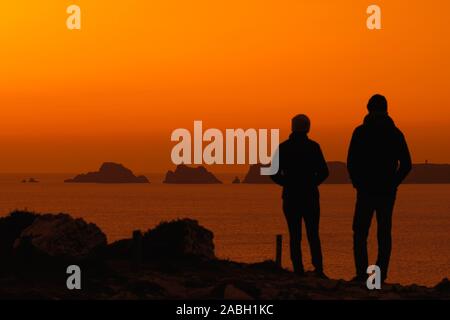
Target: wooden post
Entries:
(279, 248)
(137, 249)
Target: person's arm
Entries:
(278, 177)
(405, 161)
(322, 168)
(352, 159)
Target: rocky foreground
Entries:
(175, 260)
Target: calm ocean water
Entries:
(246, 218)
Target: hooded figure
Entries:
(378, 161)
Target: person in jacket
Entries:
(302, 168)
(378, 161)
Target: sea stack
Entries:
(338, 173)
(109, 172)
(254, 175)
(187, 175)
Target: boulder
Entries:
(179, 239)
(60, 236)
(109, 172)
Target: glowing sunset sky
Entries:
(115, 90)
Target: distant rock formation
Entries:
(187, 175)
(338, 173)
(30, 180)
(429, 173)
(236, 180)
(254, 175)
(109, 172)
(420, 174)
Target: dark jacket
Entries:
(378, 157)
(302, 167)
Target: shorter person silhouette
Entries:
(378, 161)
(302, 168)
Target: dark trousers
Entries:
(366, 205)
(307, 209)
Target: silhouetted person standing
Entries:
(302, 168)
(378, 161)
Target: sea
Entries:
(245, 219)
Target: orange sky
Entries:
(115, 90)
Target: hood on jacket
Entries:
(298, 136)
(378, 120)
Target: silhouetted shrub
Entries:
(180, 238)
(10, 229)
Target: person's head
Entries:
(377, 104)
(301, 123)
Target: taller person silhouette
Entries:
(378, 161)
(302, 168)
